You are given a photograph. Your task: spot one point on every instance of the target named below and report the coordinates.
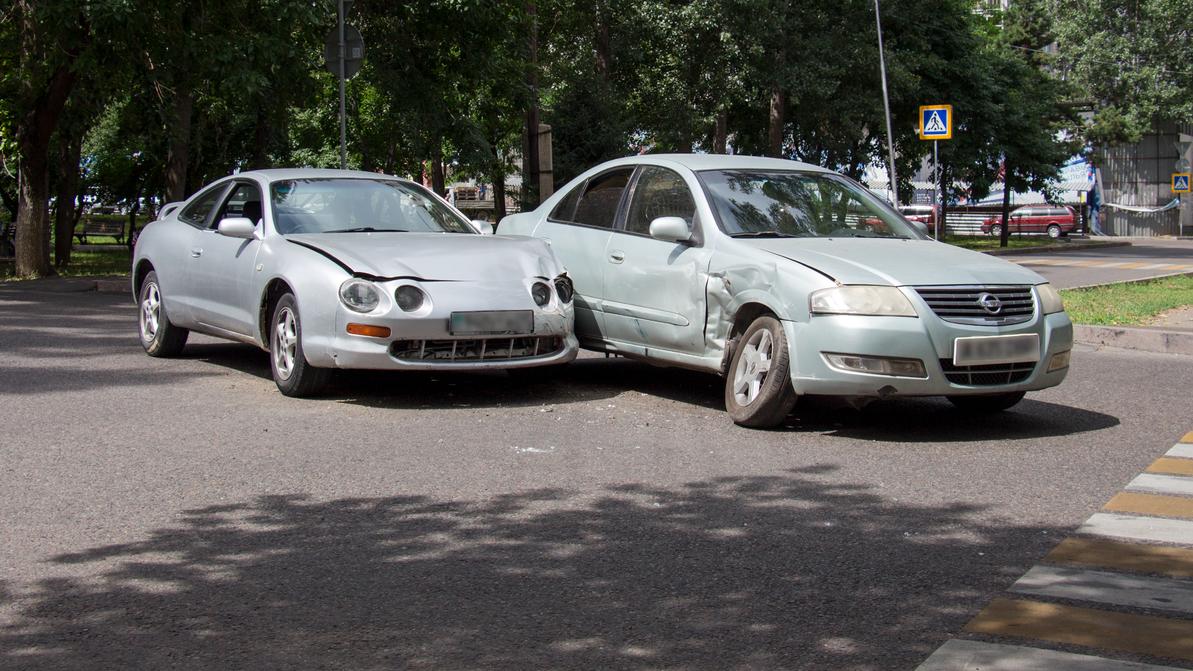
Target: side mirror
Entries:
(670, 229)
(237, 227)
(485, 227)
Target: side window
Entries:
(197, 212)
(244, 201)
(598, 205)
(659, 193)
(566, 207)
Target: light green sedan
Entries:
(791, 280)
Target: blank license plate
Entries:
(986, 350)
(503, 322)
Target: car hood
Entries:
(897, 262)
(434, 256)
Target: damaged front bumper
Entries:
(928, 340)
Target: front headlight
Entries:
(359, 295)
(1050, 301)
(861, 300)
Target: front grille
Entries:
(960, 304)
(988, 375)
(475, 349)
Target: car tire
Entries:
(159, 336)
(758, 391)
(986, 403)
(1053, 231)
(292, 373)
(996, 230)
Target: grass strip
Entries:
(1129, 304)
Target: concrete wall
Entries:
(1140, 174)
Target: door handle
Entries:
(616, 257)
(196, 253)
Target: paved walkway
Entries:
(1119, 587)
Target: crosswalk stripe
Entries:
(1116, 589)
(960, 655)
(1128, 632)
(1137, 557)
(1133, 527)
(1181, 450)
(1163, 484)
(1150, 504)
(1171, 466)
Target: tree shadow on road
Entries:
(789, 571)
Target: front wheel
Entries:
(987, 402)
(291, 372)
(159, 337)
(996, 230)
(1053, 231)
(758, 391)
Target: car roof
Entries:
(699, 162)
(275, 174)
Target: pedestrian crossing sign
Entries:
(936, 122)
(1180, 182)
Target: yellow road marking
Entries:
(1139, 264)
(1160, 559)
(1187, 438)
(1171, 466)
(1150, 504)
(1144, 634)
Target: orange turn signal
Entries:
(369, 330)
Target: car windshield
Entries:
(788, 204)
(355, 205)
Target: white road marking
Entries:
(960, 655)
(1106, 587)
(1161, 484)
(1181, 450)
(1134, 527)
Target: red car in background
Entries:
(1055, 220)
(924, 214)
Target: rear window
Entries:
(598, 206)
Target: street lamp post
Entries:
(886, 104)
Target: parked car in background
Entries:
(772, 274)
(924, 214)
(1055, 220)
(333, 269)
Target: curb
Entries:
(1143, 339)
(1049, 249)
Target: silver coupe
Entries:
(789, 279)
(334, 269)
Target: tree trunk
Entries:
(602, 44)
(65, 211)
(33, 222)
(179, 153)
(1004, 236)
(438, 179)
(720, 135)
(530, 153)
(132, 219)
(497, 176)
(261, 134)
(775, 132)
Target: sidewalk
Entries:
(108, 284)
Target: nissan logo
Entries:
(990, 303)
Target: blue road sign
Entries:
(936, 122)
(1180, 182)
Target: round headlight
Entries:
(563, 287)
(409, 297)
(541, 293)
(359, 295)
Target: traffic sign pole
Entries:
(937, 194)
(343, 113)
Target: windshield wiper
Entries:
(762, 234)
(368, 229)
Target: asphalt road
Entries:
(1146, 257)
(183, 514)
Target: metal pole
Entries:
(938, 194)
(886, 104)
(343, 116)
